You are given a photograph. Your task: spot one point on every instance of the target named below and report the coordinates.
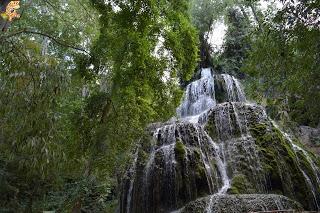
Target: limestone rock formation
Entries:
(223, 148)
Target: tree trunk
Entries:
(253, 9)
(205, 57)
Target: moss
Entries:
(272, 147)
(198, 165)
(258, 129)
(197, 153)
(210, 128)
(200, 171)
(306, 165)
(235, 126)
(288, 151)
(142, 157)
(179, 151)
(280, 165)
(220, 91)
(240, 185)
(199, 175)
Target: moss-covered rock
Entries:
(285, 169)
(277, 166)
(178, 163)
(240, 185)
(179, 151)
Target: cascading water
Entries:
(199, 96)
(221, 164)
(204, 149)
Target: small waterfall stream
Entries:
(133, 172)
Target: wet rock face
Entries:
(227, 89)
(261, 158)
(288, 169)
(171, 172)
(177, 163)
(310, 137)
(240, 203)
(233, 119)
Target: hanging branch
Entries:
(59, 42)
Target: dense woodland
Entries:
(81, 79)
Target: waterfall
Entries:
(313, 190)
(234, 91)
(222, 167)
(207, 166)
(133, 172)
(315, 169)
(199, 95)
(240, 93)
(198, 99)
(207, 146)
(242, 124)
(230, 87)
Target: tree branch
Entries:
(59, 42)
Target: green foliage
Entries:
(179, 151)
(86, 194)
(142, 52)
(236, 15)
(205, 13)
(240, 185)
(286, 61)
(236, 42)
(79, 82)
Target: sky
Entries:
(216, 36)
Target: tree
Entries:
(285, 57)
(236, 42)
(80, 81)
(141, 44)
(39, 88)
(205, 13)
